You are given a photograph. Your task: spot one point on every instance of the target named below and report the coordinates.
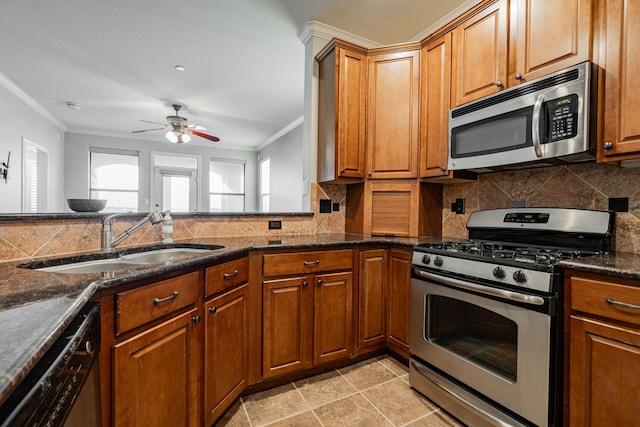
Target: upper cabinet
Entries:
(392, 112)
(479, 54)
(547, 36)
(621, 135)
(341, 113)
(510, 42)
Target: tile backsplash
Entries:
(584, 186)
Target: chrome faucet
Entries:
(109, 239)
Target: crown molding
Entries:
(21, 95)
(326, 32)
(285, 130)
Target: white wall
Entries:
(285, 156)
(77, 157)
(20, 121)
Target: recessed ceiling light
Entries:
(72, 105)
(179, 67)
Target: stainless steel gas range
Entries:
(486, 313)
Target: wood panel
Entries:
(590, 296)
(225, 276)
(372, 282)
(333, 317)
(399, 290)
(278, 264)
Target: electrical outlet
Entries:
(458, 206)
(275, 225)
(619, 204)
(325, 205)
(336, 206)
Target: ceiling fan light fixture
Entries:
(171, 136)
(184, 137)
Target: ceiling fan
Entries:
(178, 130)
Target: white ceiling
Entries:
(244, 77)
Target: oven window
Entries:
(473, 333)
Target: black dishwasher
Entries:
(62, 381)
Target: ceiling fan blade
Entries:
(155, 123)
(196, 127)
(149, 130)
(204, 135)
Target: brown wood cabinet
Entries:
(604, 351)
(307, 311)
(342, 81)
(621, 44)
(156, 373)
(479, 54)
(393, 107)
(399, 291)
(549, 35)
(372, 282)
(226, 337)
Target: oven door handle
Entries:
(487, 290)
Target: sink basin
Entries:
(161, 255)
(97, 266)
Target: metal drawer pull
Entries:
(622, 304)
(171, 297)
(229, 275)
(316, 262)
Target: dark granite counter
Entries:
(622, 265)
(36, 306)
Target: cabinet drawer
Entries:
(139, 306)
(604, 299)
(227, 275)
(306, 262)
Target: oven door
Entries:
(499, 348)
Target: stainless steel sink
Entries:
(161, 255)
(96, 266)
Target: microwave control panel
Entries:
(562, 118)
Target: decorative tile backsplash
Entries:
(584, 186)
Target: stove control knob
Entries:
(438, 261)
(426, 259)
(498, 273)
(519, 276)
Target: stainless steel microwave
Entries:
(547, 121)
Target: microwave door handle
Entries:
(535, 125)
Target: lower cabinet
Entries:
(155, 375)
(372, 284)
(398, 301)
(332, 317)
(226, 350)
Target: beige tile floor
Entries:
(372, 393)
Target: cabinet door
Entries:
(549, 35)
(287, 325)
(372, 279)
(622, 90)
(155, 375)
(399, 297)
(341, 115)
(226, 351)
(333, 317)
(436, 97)
(604, 380)
(392, 115)
(479, 55)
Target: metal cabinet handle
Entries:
(196, 319)
(499, 83)
(369, 173)
(518, 76)
(230, 275)
(171, 297)
(213, 310)
(622, 304)
(341, 170)
(608, 145)
(309, 263)
(305, 284)
(319, 282)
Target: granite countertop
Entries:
(621, 265)
(36, 306)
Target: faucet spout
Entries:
(110, 241)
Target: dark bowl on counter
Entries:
(86, 205)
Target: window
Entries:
(34, 177)
(175, 182)
(265, 179)
(226, 185)
(114, 177)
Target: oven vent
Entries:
(518, 91)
